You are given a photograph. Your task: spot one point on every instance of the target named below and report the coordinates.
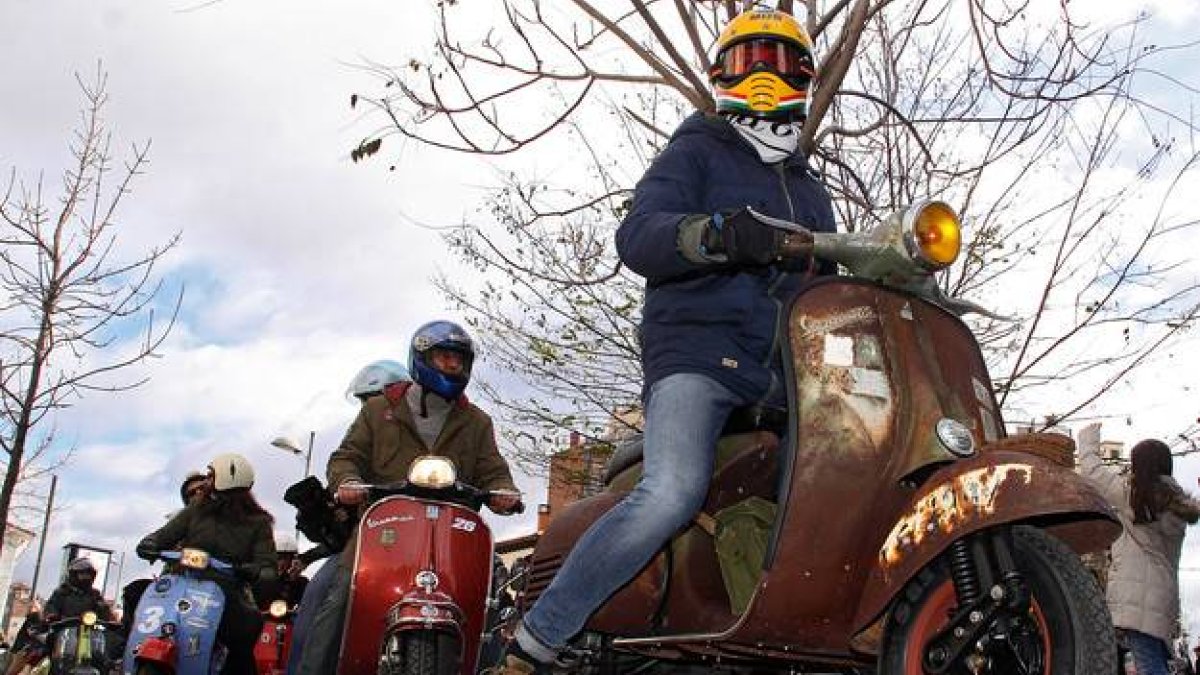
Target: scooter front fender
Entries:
(996, 487)
(157, 650)
(422, 610)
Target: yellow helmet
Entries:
(764, 66)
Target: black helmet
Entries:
(81, 573)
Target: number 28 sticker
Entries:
(464, 524)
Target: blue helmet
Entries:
(442, 335)
(374, 377)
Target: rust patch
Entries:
(834, 323)
(948, 506)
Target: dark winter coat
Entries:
(69, 602)
(716, 320)
(248, 545)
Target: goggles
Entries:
(783, 58)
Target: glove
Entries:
(147, 550)
(742, 238)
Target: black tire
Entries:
(426, 653)
(149, 669)
(1069, 613)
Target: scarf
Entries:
(429, 413)
(773, 141)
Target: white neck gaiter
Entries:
(774, 141)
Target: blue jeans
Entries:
(684, 416)
(314, 593)
(1149, 653)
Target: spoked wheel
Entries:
(1064, 630)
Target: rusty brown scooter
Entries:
(906, 533)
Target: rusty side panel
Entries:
(631, 610)
(991, 489)
(874, 372)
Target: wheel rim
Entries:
(1026, 651)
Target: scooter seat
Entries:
(626, 455)
(624, 467)
(741, 422)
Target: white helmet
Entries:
(231, 471)
(374, 376)
(285, 543)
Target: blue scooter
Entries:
(174, 630)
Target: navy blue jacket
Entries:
(715, 319)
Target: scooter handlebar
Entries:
(215, 564)
(463, 493)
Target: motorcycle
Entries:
(174, 629)
(422, 577)
(83, 645)
(896, 528)
(275, 640)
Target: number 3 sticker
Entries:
(151, 620)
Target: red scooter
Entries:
(275, 640)
(422, 577)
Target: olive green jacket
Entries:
(383, 441)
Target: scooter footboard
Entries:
(996, 487)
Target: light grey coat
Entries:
(1143, 581)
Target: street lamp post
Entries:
(288, 444)
(120, 564)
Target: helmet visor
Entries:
(783, 58)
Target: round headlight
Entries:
(933, 234)
(277, 609)
(427, 580)
(956, 437)
(432, 471)
(88, 618)
(193, 558)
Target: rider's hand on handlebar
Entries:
(742, 238)
(351, 493)
(503, 502)
(147, 552)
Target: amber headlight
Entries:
(88, 618)
(432, 471)
(933, 234)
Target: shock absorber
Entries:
(963, 573)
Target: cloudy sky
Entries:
(298, 265)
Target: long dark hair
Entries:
(1151, 461)
(237, 506)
